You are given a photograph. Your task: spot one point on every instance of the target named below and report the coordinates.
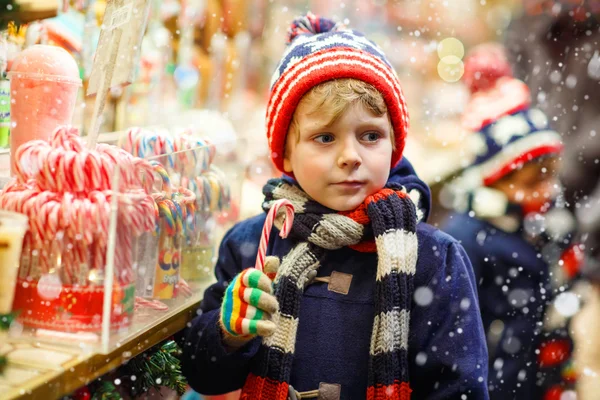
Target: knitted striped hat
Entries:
(507, 132)
(321, 50)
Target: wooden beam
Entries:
(33, 10)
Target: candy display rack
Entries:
(73, 281)
(187, 197)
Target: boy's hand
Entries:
(248, 305)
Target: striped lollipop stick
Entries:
(266, 232)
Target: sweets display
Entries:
(44, 81)
(66, 191)
(189, 161)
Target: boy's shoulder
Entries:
(429, 236)
(248, 228)
(437, 252)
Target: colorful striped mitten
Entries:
(248, 304)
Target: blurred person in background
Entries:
(554, 47)
(517, 235)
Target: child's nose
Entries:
(349, 155)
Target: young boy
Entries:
(339, 321)
(513, 229)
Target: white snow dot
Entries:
(498, 364)
(518, 297)
(465, 304)
(541, 97)
(423, 296)
(511, 345)
(247, 249)
(567, 304)
(421, 358)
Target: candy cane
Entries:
(63, 187)
(266, 232)
(184, 288)
(152, 304)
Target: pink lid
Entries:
(46, 63)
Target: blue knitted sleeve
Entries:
(208, 366)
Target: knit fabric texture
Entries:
(507, 132)
(387, 220)
(246, 304)
(321, 50)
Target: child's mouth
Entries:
(350, 184)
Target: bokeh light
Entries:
(451, 47)
(451, 68)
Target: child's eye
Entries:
(325, 138)
(371, 136)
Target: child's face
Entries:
(341, 163)
(533, 185)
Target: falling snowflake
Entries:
(421, 358)
(423, 296)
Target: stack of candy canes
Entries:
(66, 191)
(190, 161)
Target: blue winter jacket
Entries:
(513, 287)
(447, 351)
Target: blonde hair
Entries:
(334, 97)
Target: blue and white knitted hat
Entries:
(506, 132)
(320, 50)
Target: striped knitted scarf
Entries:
(386, 223)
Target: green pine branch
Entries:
(105, 391)
(157, 367)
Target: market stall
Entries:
(132, 137)
(111, 213)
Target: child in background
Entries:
(514, 229)
(368, 301)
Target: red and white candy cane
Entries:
(152, 304)
(266, 232)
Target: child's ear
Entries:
(287, 164)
